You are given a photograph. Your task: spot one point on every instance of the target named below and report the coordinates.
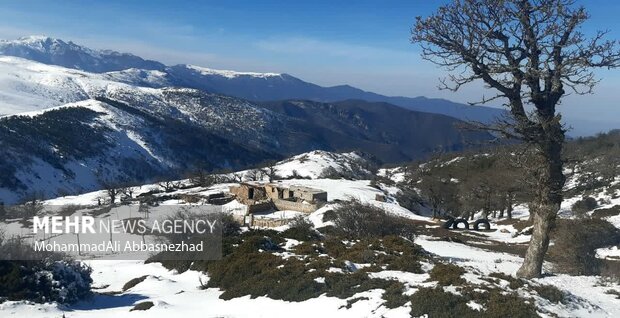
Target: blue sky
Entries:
(361, 43)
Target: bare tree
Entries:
(145, 209)
(529, 52)
(270, 170)
(112, 188)
(236, 177)
(254, 175)
(126, 191)
(116, 190)
(440, 192)
(201, 178)
(168, 185)
(112, 193)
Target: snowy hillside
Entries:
(488, 259)
(92, 143)
(26, 86)
(309, 168)
(316, 163)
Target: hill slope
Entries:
(389, 132)
(83, 146)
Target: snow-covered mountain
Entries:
(27, 86)
(85, 145)
(67, 130)
(253, 86)
(68, 54)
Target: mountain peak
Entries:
(44, 49)
(40, 43)
(36, 38)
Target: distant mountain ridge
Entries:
(272, 87)
(68, 54)
(388, 132)
(69, 131)
(134, 70)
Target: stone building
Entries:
(311, 195)
(248, 193)
(261, 197)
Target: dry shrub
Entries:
(584, 205)
(447, 274)
(514, 283)
(146, 305)
(550, 293)
(133, 282)
(606, 212)
(576, 241)
(359, 220)
(435, 302)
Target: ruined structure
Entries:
(261, 197)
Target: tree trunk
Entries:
(539, 243)
(548, 200)
(509, 207)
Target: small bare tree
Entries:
(168, 185)
(145, 209)
(126, 191)
(254, 175)
(270, 170)
(236, 177)
(529, 52)
(112, 193)
(113, 189)
(201, 178)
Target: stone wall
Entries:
(252, 221)
(270, 222)
(294, 206)
(239, 218)
(265, 197)
(320, 197)
(304, 195)
(239, 191)
(309, 194)
(260, 207)
(245, 192)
